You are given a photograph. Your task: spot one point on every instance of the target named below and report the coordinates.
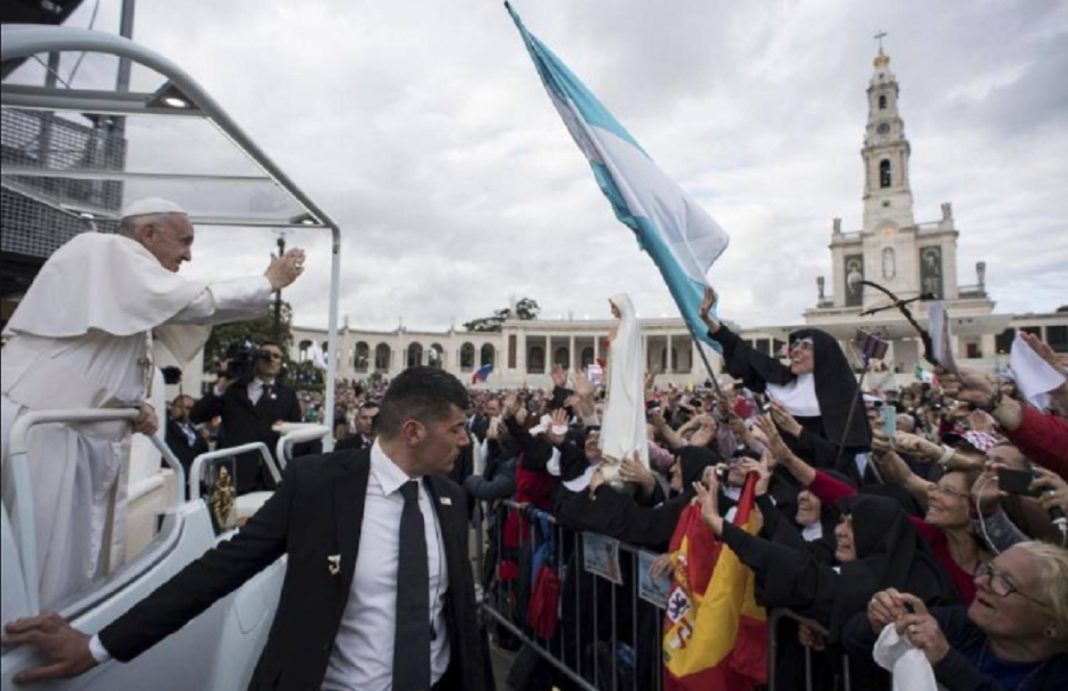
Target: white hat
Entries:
(151, 205)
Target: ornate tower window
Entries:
(882, 101)
(889, 263)
(885, 179)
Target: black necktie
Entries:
(265, 395)
(411, 642)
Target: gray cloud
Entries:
(423, 129)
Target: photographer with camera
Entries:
(250, 400)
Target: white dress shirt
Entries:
(362, 656)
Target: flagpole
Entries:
(704, 359)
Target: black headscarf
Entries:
(890, 554)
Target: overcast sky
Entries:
(423, 129)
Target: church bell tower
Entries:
(887, 196)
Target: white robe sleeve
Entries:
(223, 301)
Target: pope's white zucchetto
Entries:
(151, 205)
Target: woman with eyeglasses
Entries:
(946, 525)
(817, 387)
(1014, 635)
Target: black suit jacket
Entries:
(243, 422)
(316, 512)
(179, 444)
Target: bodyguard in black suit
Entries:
(317, 517)
(248, 411)
(183, 439)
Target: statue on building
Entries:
(947, 211)
(980, 273)
(837, 226)
(819, 285)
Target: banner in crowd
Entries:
(682, 239)
(714, 633)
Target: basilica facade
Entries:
(914, 261)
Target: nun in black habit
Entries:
(877, 548)
(817, 388)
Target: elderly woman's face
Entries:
(947, 501)
(808, 508)
(802, 360)
(845, 551)
(676, 475)
(1005, 599)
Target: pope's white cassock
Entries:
(623, 426)
(82, 337)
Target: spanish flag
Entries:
(714, 632)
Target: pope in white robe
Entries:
(623, 424)
(82, 337)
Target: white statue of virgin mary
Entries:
(623, 424)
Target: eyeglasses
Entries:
(1000, 584)
(802, 343)
(948, 491)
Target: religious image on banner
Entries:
(931, 271)
(854, 264)
(600, 556)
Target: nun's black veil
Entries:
(890, 554)
(835, 382)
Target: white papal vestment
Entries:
(82, 337)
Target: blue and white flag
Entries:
(672, 228)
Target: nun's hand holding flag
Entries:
(678, 234)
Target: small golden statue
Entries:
(221, 502)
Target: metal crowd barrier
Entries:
(566, 651)
(775, 617)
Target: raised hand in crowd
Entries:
(583, 387)
(784, 420)
(1057, 362)
(557, 427)
(705, 433)
(778, 448)
(1053, 487)
(708, 500)
(631, 470)
(985, 491)
(650, 377)
(509, 405)
(705, 310)
(763, 472)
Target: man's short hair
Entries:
(422, 393)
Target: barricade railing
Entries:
(591, 643)
(775, 617)
(507, 589)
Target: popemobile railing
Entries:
(607, 631)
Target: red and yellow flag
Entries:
(714, 637)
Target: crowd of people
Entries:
(920, 529)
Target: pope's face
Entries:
(170, 240)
